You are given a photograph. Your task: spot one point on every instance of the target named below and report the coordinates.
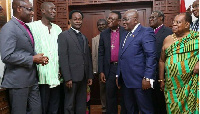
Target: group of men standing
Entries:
(126, 59)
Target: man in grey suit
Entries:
(76, 64)
(18, 54)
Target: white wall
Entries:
(187, 4)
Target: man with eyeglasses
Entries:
(18, 54)
(45, 36)
(137, 64)
(108, 60)
(156, 21)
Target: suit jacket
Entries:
(137, 59)
(104, 56)
(160, 36)
(74, 62)
(95, 46)
(17, 53)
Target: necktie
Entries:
(129, 33)
(195, 27)
(80, 39)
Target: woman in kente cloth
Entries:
(180, 63)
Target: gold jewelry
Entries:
(174, 37)
(161, 80)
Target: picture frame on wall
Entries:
(5, 12)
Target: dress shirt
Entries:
(157, 29)
(114, 45)
(46, 42)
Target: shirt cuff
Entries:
(117, 76)
(151, 82)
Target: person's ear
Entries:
(187, 25)
(119, 21)
(43, 11)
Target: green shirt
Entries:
(46, 42)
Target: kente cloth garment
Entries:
(181, 86)
(46, 42)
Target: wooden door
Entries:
(89, 27)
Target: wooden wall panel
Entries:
(86, 2)
(169, 7)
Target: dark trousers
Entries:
(50, 98)
(111, 93)
(75, 98)
(25, 100)
(137, 100)
(159, 100)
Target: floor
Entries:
(96, 109)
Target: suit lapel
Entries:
(108, 40)
(131, 38)
(23, 29)
(74, 37)
(160, 31)
(85, 43)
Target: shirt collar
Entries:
(135, 27)
(77, 31)
(158, 27)
(116, 30)
(20, 21)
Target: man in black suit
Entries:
(108, 58)
(156, 21)
(76, 64)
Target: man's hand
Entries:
(117, 83)
(40, 59)
(162, 86)
(196, 68)
(68, 84)
(89, 82)
(145, 84)
(103, 78)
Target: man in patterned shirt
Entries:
(46, 34)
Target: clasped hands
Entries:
(40, 59)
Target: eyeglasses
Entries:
(153, 17)
(28, 9)
(127, 19)
(111, 19)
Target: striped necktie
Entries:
(129, 33)
(195, 26)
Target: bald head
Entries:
(130, 19)
(132, 12)
(17, 3)
(45, 4)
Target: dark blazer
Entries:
(104, 51)
(160, 36)
(137, 59)
(74, 62)
(17, 53)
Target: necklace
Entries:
(113, 41)
(174, 37)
